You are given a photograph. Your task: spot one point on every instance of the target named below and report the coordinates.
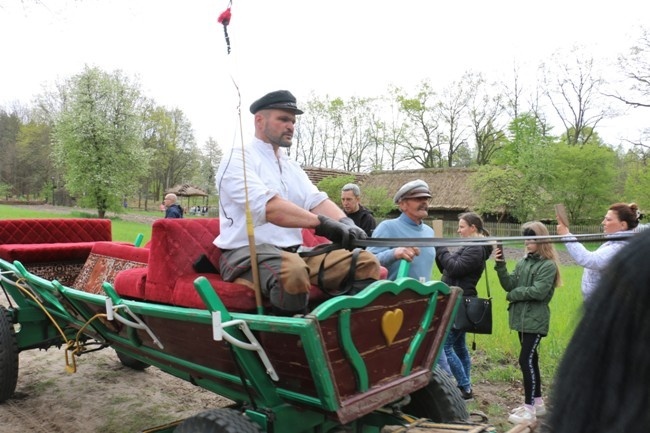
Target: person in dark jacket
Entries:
(351, 202)
(463, 268)
(172, 209)
(530, 289)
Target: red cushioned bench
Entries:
(53, 248)
(169, 277)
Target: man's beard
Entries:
(279, 140)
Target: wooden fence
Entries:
(510, 229)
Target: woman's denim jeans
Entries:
(458, 358)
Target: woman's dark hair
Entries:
(602, 382)
(628, 213)
(474, 220)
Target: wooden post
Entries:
(437, 228)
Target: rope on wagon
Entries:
(75, 347)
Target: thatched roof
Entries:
(316, 174)
(449, 186)
(186, 190)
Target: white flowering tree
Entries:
(97, 138)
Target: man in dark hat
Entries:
(282, 200)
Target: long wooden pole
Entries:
(250, 228)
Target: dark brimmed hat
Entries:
(413, 189)
(280, 100)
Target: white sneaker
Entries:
(522, 414)
(540, 409)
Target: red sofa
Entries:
(53, 248)
(44, 240)
(169, 277)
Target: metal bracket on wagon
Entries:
(137, 323)
(219, 335)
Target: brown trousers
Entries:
(286, 277)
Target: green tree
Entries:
(211, 155)
(585, 179)
(424, 140)
(377, 200)
(501, 192)
(169, 140)
(97, 138)
(10, 123)
(332, 185)
(524, 159)
(637, 182)
(33, 155)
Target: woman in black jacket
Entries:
(463, 268)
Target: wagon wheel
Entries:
(8, 356)
(130, 362)
(218, 421)
(439, 401)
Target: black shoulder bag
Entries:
(475, 314)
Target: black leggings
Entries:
(529, 364)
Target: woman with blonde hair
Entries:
(530, 288)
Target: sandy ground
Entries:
(102, 396)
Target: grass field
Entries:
(125, 231)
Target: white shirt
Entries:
(594, 262)
(266, 177)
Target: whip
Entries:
(224, 19)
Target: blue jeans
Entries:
(458, 357)
(443, 364)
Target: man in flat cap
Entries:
(413, 201)
(282, 200)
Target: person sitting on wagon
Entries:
(282, 201)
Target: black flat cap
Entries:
(280, 99)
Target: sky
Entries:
(336, 48)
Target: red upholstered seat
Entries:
(42, 253)
(129, 283)
(169, 277)
(54, 230)
(236, 297)
(51, 240)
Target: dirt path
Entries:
(102, 396)
(105, 397)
